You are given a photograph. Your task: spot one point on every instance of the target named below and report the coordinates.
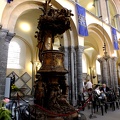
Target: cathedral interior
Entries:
(43, 52)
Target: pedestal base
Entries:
(51, 89)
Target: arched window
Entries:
(14, 55)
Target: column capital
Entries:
(80, 48)
(4, 34)
(101, 59)
(9, 37)
(64, 49)
(72, 49)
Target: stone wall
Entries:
(5, 38)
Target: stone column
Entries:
(72, 74)
(69, 75)
(104, 70)
(75, 77)
(66, 63)
(79, 51)
(73, 63)
(65, 51)
(114, 59)
(118, 74)
(5, 38)
(110, 73)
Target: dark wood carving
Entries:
(51, 87)
(50, 23)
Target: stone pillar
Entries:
(110, 73)
(104, 70)
(65, 51)
(5, 38)
(114, 59)
(118, 74)
(79, 51)
(75, 77)
(73, 63)
(66, 63)
(72, 74)
(71, 77)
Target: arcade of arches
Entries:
(82, 55)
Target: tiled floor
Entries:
(110, 115)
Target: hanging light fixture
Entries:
(105, 56)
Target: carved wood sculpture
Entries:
(51, 22)
(51, 89)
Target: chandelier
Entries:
(105, 56)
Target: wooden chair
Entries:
(98, 102)
(111, 100)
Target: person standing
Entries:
(89, 85)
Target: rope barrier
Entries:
(67, 114)
(57, 114)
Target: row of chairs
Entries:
(103, 102)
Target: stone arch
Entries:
(101, 36)
(15, 12)
(20, 7)
(97, 36)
